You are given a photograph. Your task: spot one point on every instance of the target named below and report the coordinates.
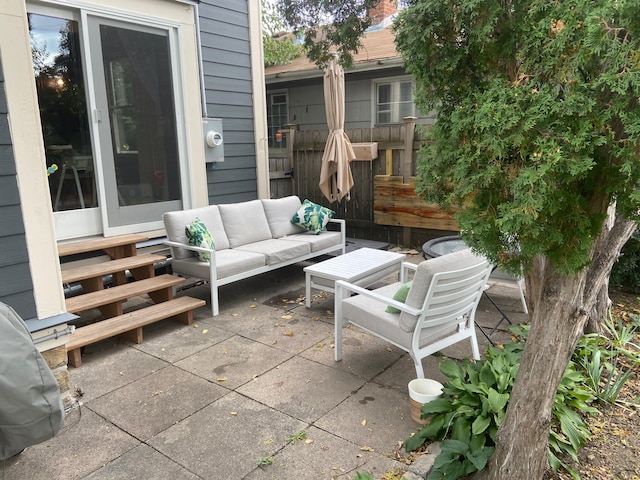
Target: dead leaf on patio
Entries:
(288, 334)
(235, 414)
(308, 441)
(234, 314)
(253, 306)
(221, 379)
(205, 331)
(363, 423)
(367, 449)
(286, 317)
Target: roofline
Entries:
(379, 64)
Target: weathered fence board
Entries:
(396, 203)
(382, 205)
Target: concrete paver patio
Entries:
(215, 399)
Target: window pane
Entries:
(384, 94)
(405, 92)
(277, 116)
(139, 82)
(57, 64)
(394, 102)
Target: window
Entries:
(277, 116)
(394, 100)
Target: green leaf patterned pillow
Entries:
(199, 236)
(312, 217)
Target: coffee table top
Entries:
(354, 265)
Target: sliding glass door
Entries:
(107, 98)
(136, 120)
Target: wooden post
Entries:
(388, 162)
(406, 169)
(290, 130)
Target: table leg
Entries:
(307, 299)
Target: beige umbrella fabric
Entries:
(335, 175)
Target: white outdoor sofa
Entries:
(250, 238)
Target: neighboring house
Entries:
(378, 91)
(113, 93)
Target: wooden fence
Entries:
(383, 204)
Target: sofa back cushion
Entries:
(175, 223)
(245, 222)
(279, 212)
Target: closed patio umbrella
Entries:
(335, 175)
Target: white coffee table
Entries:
(362, 267)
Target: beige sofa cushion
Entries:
(279, 212)
(228, 262)
(277, 250)
(318, 242)
(245, 222)
(175, 223)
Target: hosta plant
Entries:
(466, 419)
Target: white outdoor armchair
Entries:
(439, 310)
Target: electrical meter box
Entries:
(213, 140)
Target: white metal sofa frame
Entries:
(443, 316)
(215, 282)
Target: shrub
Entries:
(466, 419)
(625, 274)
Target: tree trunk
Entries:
(561, 307)
(599, 310)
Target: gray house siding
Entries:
(16, 286)
(226, 58)
(306, 100)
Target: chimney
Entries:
(382, 11)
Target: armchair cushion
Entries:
(424, 275)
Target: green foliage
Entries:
(625, 274)
(328, 26)
(602, 357)
(264, 461)
(538, 125)
(474, 404)
(363, 476)
(278, 50)
(297, 437)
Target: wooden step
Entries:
(116, 247)
(90, 276)
(110, 300)
(130, 324)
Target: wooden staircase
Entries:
(123, 259)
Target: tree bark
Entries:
(561, 308)
(599, 310)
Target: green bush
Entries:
(625, 274)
